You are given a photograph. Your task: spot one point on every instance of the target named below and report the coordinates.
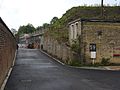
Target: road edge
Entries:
(52, 57)
(89, 68)
(9, 72)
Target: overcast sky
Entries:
(21, 12)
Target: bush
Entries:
(75, 63)
(105, 61)
(75, 46)
(96, 64)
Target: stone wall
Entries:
(59, 50)
(7, 50)
(106, 36)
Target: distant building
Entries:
(98, 39)
(35, 38)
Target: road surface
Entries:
(34, 70)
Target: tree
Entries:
(45, 25)
(30, 28)
(53, 20)
(39, 27)
(26, 29)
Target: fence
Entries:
(7, 50)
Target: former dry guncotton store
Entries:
(98, 39)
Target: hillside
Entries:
(90, 13)
(58, 28)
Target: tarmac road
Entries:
(34, 70)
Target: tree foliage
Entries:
(53, 20)
(45, 25)
(26, 29)
(39, 27)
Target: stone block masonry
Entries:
(104, 34)
(59, 50)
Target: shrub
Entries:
(75, 63)
(105, 61)
(75, 46)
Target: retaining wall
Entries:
(59, 50)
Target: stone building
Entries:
(98, 39)
(35, 39)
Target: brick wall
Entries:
(7, 50)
